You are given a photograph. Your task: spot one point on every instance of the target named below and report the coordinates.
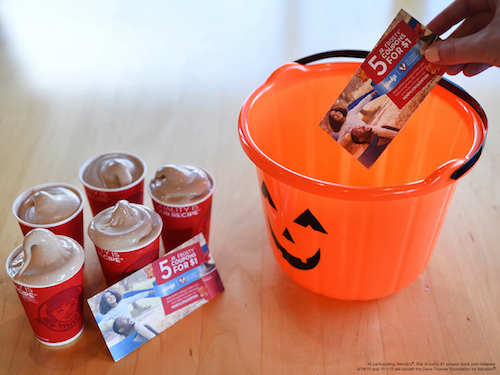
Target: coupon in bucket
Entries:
(384, 92)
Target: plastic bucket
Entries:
(336, 227)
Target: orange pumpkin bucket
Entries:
(336, 227)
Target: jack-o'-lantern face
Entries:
(305, 219)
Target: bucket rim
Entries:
(445, 174)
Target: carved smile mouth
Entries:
(294, 261)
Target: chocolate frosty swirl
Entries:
(112, 171)
(125, 226)
(49, 205)
(46, 259)
(180, 185)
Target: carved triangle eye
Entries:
(266, 195)
(288, 236)
(306, 219)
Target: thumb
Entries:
(456, 51)
(480, 47)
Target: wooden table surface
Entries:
(166, 80)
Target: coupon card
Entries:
(385, 91)
(152, 299)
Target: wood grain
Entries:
(166, 81)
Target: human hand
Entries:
(475, 44)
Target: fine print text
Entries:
(428, 366)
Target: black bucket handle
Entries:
(443, 82)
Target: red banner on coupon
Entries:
(389, 52)
(174, 264)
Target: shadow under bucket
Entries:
(335, 227)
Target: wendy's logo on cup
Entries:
(26, 291)
(110, 256)
(63, 310)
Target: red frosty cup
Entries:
(126, 238)
(110, 177)
(117, 265)
(54, 310)
(181, 222)
(56, 206)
